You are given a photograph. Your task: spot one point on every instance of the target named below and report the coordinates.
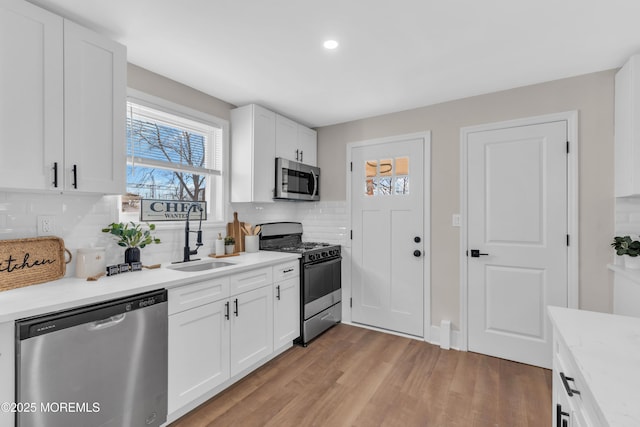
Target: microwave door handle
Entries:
(315, 184)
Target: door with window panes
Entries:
(387, 208)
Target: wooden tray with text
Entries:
(25, 262)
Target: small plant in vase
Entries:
(133, 237)
(229, 244)
(629, 247)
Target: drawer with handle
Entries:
(190, 296)
(250, 280)
(286, 270)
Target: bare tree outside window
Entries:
(178, 153)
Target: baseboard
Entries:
(432, 338)
(435, 337)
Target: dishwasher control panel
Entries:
(52, 322)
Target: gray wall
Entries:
(591, 95)
(162, 87)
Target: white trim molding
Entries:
(571, 117)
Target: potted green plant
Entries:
(629, 247)
(229, 244)
(133, 237)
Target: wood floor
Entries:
(356, 377)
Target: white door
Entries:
(287, 139)
(517, 239)
(251, 328)
(95, 83)
(198, 352)
(308, 145)
(387, 208)
(286, 312)
(31, 97)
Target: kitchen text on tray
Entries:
(12, 264)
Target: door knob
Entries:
(475, 253)
(417, 253)
(417, 239)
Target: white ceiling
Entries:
(393, 55)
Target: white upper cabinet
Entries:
(31, 95)
(286, 138)
(295, 141)
(95, 83)
(62, 104)
(253, 148)
(258, 136)
(308, 145)
(627, 129)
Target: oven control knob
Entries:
(325, 254)
(312, 257)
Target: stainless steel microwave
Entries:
(296, 181)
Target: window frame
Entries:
(217, 189)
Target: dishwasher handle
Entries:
(106, 323)
(100, 316)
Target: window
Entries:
(173, 153)
(383, 179)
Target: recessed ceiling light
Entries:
(330, 44)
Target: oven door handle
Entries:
(322, 263)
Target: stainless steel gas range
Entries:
(320, 277)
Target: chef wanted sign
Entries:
(171, 210)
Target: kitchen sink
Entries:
(200, 266)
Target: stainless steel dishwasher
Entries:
(94, 366)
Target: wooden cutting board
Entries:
(236, 229)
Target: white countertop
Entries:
(606, 349)
(629, 273)
(72, 292)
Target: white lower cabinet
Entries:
(251, 328)
(286, 311)
(573, 403)
(198, 352)
(220, 329)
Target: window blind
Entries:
(161, 140)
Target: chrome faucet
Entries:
(187, 250)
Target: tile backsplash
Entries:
(321, 221)
(628, 216)
(80, 218)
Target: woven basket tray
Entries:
(25, 262)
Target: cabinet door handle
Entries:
(226, 310)
(565, 383)
(235, 311)
(301, 158)
(297, 156)
(278, 292)
(55, 174)
(288, 270)
(559, 414)
(75, 176)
